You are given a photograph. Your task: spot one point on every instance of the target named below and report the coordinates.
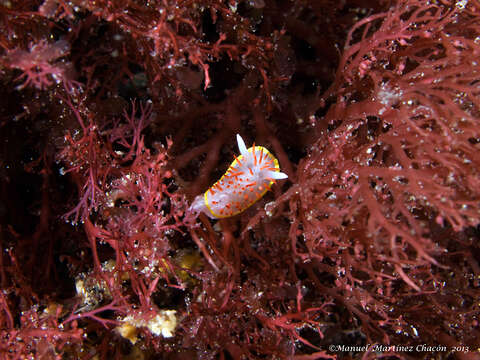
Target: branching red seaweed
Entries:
(118, 113)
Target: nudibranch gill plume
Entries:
(246, 181)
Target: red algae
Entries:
(117, 114)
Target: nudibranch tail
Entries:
(247, 179)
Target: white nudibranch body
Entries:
(247, 179)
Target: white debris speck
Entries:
(461, 4)
(388, 95)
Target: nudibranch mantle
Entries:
(247, 179)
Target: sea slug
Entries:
(247, 179)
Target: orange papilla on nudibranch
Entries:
(247, 179)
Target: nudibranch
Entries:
(247, 179)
